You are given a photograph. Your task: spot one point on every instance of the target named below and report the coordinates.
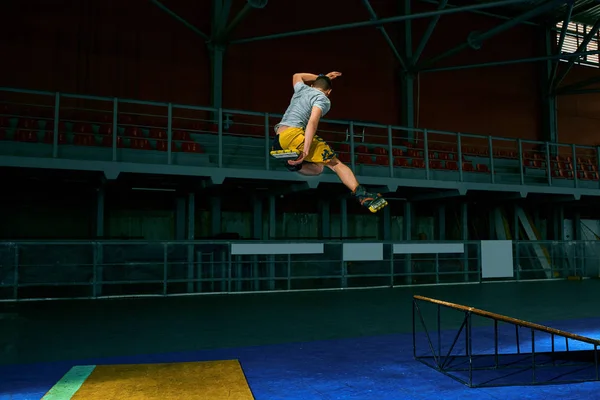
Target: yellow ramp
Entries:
(212, 380)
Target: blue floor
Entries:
(379, 367)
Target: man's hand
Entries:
(298, 160)
(334, 74)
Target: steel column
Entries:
(325, 220)
(380, 22)
(387, 37)
(549, 112)
(215, 215)
(272, 218)
(407, 87)
(100, 209)
(343, 217)
(586, 40)
(475, 40)
(563, 33)
(257, 217)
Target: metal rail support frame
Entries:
(468, 364)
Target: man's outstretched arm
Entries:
(307, 78)
(309, 134)
(303, 77)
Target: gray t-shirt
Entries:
(300, 108)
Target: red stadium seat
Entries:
(192, 148)
(105, 129)
(380, 151)
(107, 141)
(84, 139)
(401, 162)
(26, 131)
(182, 136)
(482, 168)
(82, 127)
(364, 159)
(133, 132)
(158, 134)
(140, 144)
(382, 160)
(452, 165)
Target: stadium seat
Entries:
(418, 163)
(361, 150)
(105, 129)
(380, 151)
(26, 131)
(84, 139)
(107, 141)
(49, 132)
(181, 136)
(382, 160)
(158, 134)
(82, 128)
(140, 143)
(452, 165)
(364, 159)
(482, 168)
(435, 164)
(344, 157)
(401, 162)
(192, 147)
(132, 132)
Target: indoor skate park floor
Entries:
(354, 344)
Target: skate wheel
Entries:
(285, 154)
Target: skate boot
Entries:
(374, 202)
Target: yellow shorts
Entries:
(293, 139)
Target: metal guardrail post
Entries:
(220, 137)
(352, 161)
(56, 125)
(575, 165)
(390, 151)
(115, 128)
(459, 155)
(426, 155)
(548, 169)
(267, 143)
(16, 274)
(521, 163)
(491, 156)
(165, 268)
(170, 134)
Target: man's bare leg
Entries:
(373, 202)
(311, 169)
(344, 173)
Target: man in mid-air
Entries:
(296, 134)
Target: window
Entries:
(574, 37)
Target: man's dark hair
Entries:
(322, 82)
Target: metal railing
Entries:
(67, 126)
(68, 270)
